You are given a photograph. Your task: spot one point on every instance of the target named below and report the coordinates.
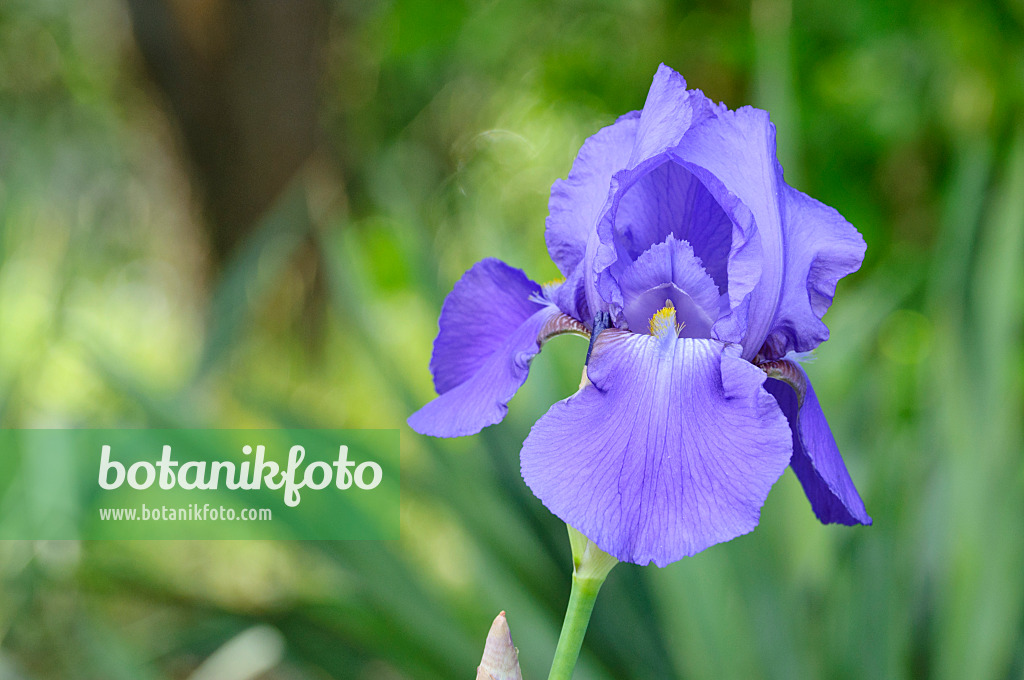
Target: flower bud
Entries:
(501, 659)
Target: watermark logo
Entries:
(199, 484)
(192, 475)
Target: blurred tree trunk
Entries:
(240, 77)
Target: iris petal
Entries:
(491, 326)
(672, 449)
(669, 112)
(788, 250)
(576, 201)
(816, 458)
(821, 248)
(670, 200)
(733, 154)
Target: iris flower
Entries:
(700, 277)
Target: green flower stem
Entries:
(590, 568)
(577, 616)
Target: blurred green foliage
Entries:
(443, 126)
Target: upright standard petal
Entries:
(669, 200)
(491, 326)
(577, 201)
(669, 112)
(671, 449)
(821, 248)
(816, 459)
(733, 154)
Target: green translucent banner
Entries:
(199, 484)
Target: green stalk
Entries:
(590, 568)
(574, 627)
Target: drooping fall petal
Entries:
(672, 449)
(816, 459)
(491, 327)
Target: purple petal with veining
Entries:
(491, 326)
(733, 154)
(672, 449)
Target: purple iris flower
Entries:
(698, 275)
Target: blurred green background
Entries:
(247, 214)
